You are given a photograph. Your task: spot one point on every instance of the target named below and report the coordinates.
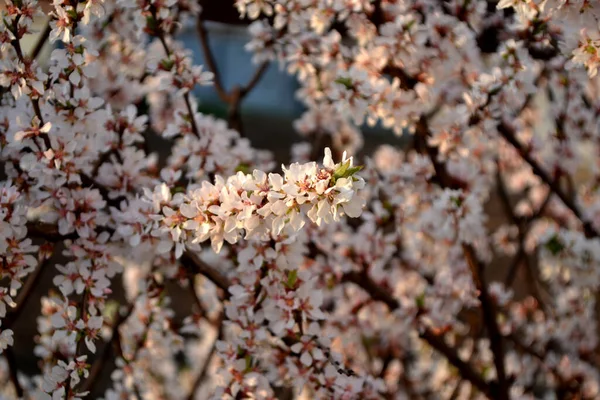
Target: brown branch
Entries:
(490, 389)
(99, 363)
(203, 372)
(48, 232)
(196, 266)
(39, 45)
(209, 59)
(376, 292)
(489, 317)
(508, 133)
(258, 74)
(186, 96)
(13, 371)
(31, 283)
(476, 267)
(35, 102)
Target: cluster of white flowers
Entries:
(325, 280)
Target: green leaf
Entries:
(554, 245)
(590, 49)
(341, 170)
(177, 189)
(457, 200)
(292, 279)
(420, 301)
(241, 351)
(248, 359)
(72, 13)
(151, 23)
(347, 82)
(167, 64)
(345, 171)
(243, 167)
(353, 170)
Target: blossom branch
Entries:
(365, 282)
(109, 348)
(509, 134)
(476, 268)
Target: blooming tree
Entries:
(363, 279)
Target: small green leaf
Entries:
(240, 351)
(347, 82)
(72, 13)
(167, 64)
(554, 245)
(292, 279)
(345, 171)
(409, 24)
(457, 200)
(590, 49)
(248, 359)
(151, 23)
(353, 170)
(341, 170)
(420, 301)
(243, 167)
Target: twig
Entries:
(22, 297)
(195, 265)
(39, 45)
(234, 97)
(98, 365)
(13, 371)
(476, 267)
(200, 378)
(186, 96)
(508, 133)
(258, 74)
(489, 317)
(466, 370)
(210, 60)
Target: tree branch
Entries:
(364, 281)
(476, 267)
(98, 365)
(195, 265)
(13, 371)
(39, 45)
(209, 59)
(508, 133)
(202, 375)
